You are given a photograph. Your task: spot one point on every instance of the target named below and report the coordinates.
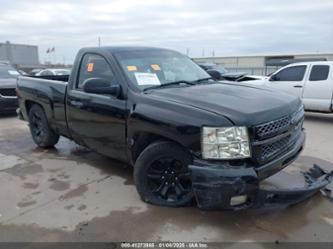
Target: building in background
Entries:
(19, 55)
(263, 64)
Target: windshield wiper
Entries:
(170, 84)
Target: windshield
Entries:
(150, 68)
(8, 72)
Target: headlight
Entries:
(225, 143)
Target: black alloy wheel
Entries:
(37, 128)
(43, 135)
(169, 179)
(162, 176)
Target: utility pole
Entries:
(99, 41)
(187, 51)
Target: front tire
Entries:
(162, 176)
(42, 134)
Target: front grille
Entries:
(269, 150)
(278, 126)
(272, 128)
(8, 92)
(290, 125)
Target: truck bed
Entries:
(63, 78)
(50, 94)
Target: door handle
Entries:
(76, 103)
(298, 86)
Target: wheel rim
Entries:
(37, 126)
(169, 179)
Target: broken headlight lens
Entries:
(225, 143)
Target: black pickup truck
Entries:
(185, 134)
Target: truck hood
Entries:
(242, 105)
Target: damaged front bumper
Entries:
(227, 187)
(217, 187)
(239, 188)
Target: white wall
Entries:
(253, 61)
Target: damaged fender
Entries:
(216, 188)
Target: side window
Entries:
(319, 72)
(290, 74)
(93, 66)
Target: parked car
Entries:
(310, 81)
(35, 71)
(8, 99)
(54, 72)
(23, 72)
(185, 134)
(220, 73)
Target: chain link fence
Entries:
(255, 70)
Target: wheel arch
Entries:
(47, 109)
(29, 103)
(142, 140)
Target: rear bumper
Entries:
(8, 104)
(239, 188)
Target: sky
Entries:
(199, 27)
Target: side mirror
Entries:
(214, 74)
(274, 78)
(101, 86)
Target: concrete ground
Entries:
(72, 194)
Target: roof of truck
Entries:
(311, 63)
(114, 49)
(131, 48)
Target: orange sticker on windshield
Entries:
(90, 67)
(155, 67)
(132, 68)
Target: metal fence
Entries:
(254, 70)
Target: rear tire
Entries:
(42, 134)
(162, 176)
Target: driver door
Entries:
(97, 121)
(290, 80)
